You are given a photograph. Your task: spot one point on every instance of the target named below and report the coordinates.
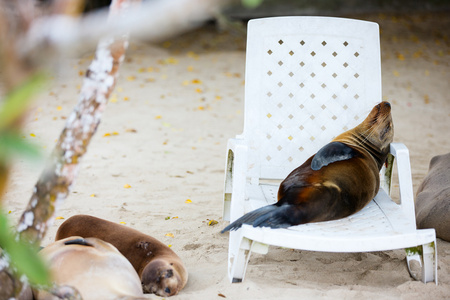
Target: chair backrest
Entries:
(308, 79)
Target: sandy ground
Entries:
(164, 133)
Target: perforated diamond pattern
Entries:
(311, 88)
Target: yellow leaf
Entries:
(9, 212)
(141, 70)
(115, 133)
(158, 117)
(113, 98)
(199, 90)
(32, 134)
(92, 195)
(171, 61)
(218, 98)
(417, 54)
(188, 201)
(127, 186)
(196, 81)
(123, 223)
(59, 108)
(400, 56)
(131, 78)
(186, 82)
(192, 54)
(170, 235)
(126, 98)
(169, 245)
(59, 218)
(190, 68)
(107, 134)
(201, 108)
(212, 222)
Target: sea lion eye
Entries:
(167, 291)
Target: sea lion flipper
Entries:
(330, 153)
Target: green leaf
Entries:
(13, 144)
(17, 101)
(251, 3)
(23, 256)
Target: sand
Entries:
(164, 134)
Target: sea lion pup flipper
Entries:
(78, 241)
(267, 216)
(330, 153)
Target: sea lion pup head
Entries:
(378, 126)
(162, 278)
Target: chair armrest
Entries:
(235, 178)
(401, 154)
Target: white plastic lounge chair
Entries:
(307, 80)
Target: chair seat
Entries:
(371, 229)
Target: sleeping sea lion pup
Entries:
(96, 270)
(339, 180)
(161, 271)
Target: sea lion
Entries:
(161, 271)
(96, 270)
(339, 180)
(433, 198)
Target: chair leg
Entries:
(429, 263)
(238, 256)
(422, 262)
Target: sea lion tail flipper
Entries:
(249, 218)
(277, 218)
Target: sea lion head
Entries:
(378, 128)
(161, 277)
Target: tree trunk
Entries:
(57, 178)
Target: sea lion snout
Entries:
(378, 127)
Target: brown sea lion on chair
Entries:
(96, 269)
(339, 180)
(161, 271)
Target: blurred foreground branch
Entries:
(153, 21)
